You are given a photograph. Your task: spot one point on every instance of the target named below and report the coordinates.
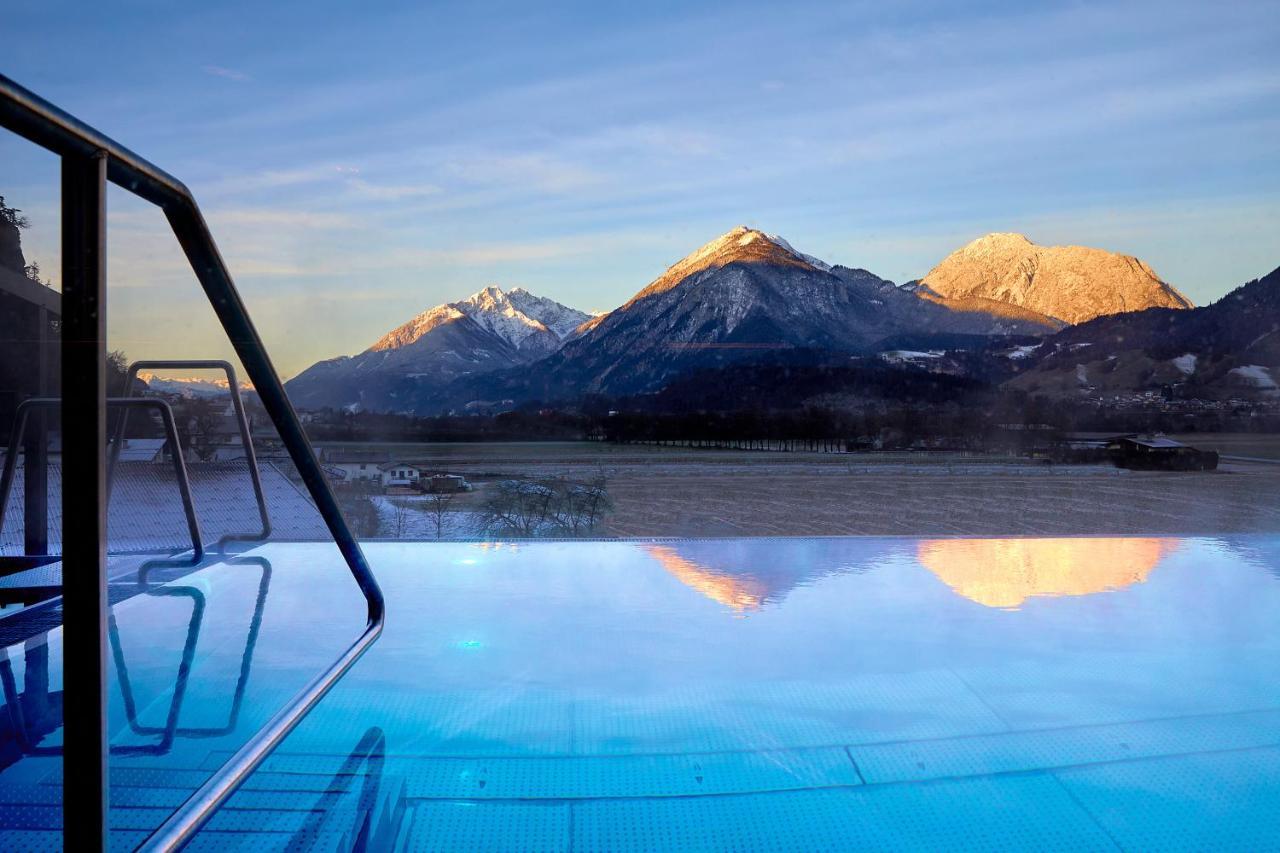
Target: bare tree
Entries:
(518, 507)
(552, 506)
(578, 507)
(438, 504)
(399, 519)
(359, 510)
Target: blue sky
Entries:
(361, 162)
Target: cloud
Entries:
(391, 192)
(270, 179)
(517, 252)
(253, 217)
(538, 171)
(227, 73)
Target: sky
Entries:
(359, 163)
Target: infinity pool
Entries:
(794, 694)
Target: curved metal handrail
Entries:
(242, 423)
(125, 404)
(36, 119)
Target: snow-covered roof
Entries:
(342, 456)
(387, 466)
(1154, 441)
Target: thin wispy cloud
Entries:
(392, 192)
(545, 172)
(227, 73)
(281, 217)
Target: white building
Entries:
(353, 466)
(399, 474)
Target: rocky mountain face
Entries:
(532, 325)
(1072, 284)
(740, 297)
(747, 298)
(1230, 348)
(488, 330)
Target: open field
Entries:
(686, 492)
(1256, 445)
(961, 502)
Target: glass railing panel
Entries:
(216, 551)
(31, 535)
(201, 655)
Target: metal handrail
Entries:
(171, 729)
(242, 421)
(125, 403)
(36, 119)
(370, 751)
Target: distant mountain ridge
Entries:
(530, 324)
(1068, 283)
(742, 297)
(489, 330)
(743, 293)
(1228, 348)
(194, 386)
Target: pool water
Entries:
(748, 694)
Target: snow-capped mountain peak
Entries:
(192, 386)
(560, 319)
(494, 310)
(810, 259)
(518, 316)
(740, 245)
(522, 320)
(420, 325)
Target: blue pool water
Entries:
(795, 694)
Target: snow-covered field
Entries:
(412, 518)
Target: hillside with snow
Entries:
(752, 297)
(489, 330)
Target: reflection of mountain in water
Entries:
(1006, 572)
(745, 575)
(1260, 551)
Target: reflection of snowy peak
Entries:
(191, 386)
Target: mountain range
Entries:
(749, 297)
(487, 331)
(1230, 348)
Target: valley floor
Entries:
(679, 492)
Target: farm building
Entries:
(398, 474)
(1158, 453)
(350, 466)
